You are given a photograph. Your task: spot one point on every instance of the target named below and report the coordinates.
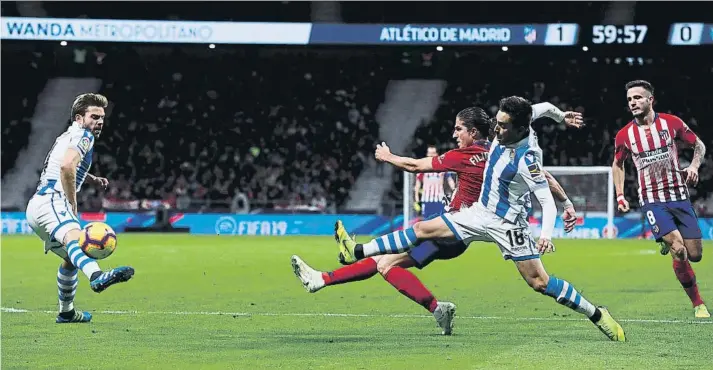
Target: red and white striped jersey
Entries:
(655, 155)
(432, 185)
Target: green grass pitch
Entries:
(234, 303)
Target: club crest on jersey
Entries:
(84, 144)
(664, 135)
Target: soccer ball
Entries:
(97, 240)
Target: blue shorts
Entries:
(430, 209)
(664, 218)
(428, 251)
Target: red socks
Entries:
(404, 281)
(687, 277)
(360, 270)
(408, 284)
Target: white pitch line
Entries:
(246, 314)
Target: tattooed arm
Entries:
(699, 151)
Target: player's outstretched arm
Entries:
(99, 181)
(383, 153)
(570, 118)
(570, 215)
(68, 172)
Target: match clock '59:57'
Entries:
(623, 34)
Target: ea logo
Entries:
(226, 225)
(607, 231)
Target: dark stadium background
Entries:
(200, 128)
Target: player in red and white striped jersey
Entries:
(429, 189)
(663, 194)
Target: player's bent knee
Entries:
(433, 228)
(422, 229)
(71, 235)
(387, 262)
(694, 248)
(537, 284)
(695, 257)
(678, 250)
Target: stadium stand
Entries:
(29, 73)
(292, 132)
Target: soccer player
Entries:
(663, 195)
(472, 125)
(428, 192)
(513, 171)
(52, 210)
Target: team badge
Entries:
(655, 229)
(664, 135)
(84, 144)
(530, 34)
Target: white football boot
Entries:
(311, 279)
(444, 314)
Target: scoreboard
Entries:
(268, 33)
(691, 34)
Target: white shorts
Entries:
(477, 223)
(51, 217)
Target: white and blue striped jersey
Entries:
(76, 138)
(511, 174)
(514, 171)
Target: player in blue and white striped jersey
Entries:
(52, 210)
(512, 173)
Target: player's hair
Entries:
(519, 109)
(491, 130)
(641, 83)
(84, 101)
(475, 117)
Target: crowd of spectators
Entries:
(282, 130)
